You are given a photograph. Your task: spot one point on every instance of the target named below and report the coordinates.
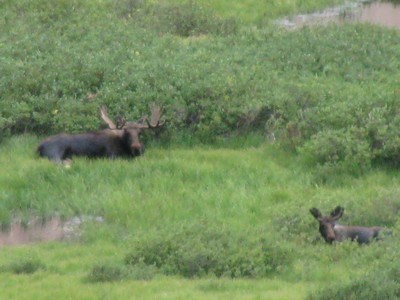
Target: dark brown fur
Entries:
(105, 143)
(120, 140)
(331, 231)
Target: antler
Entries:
(156, 114)
(120, 121)
(106, 119)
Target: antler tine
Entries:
(120, 122)
(106, 119)
(142, 120)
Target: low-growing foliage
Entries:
(24, 265)
(380, 284)
(186, 19)
(199, 251)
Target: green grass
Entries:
(259, 192)
(162, 179)
(253, 11)
(66, 280)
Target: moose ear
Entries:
(315, 212)
(337, 212)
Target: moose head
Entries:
(331, 231)
(130, 131)
(120, 139)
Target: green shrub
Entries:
(382, 284)
(26, 265)
(337, 152)
(199, 251)
(186, 19)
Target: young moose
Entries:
(331, 231)
(119, 140)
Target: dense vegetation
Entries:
(213, 199)
(312, 89)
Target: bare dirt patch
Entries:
(374, 12)
(37, 230)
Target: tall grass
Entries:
(247, 186)
(162, 184)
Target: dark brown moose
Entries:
(331, 231)
(119, 140)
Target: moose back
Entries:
(120, 140)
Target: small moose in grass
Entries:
(331, 231)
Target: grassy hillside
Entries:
(203, 212)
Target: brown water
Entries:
(36, 230)
(379, 13)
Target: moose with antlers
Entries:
(118, 140)
(331, 231)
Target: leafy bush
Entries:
(382, 284)
(187, 19)
(26, 265)
(196, 252)
(337, 152)
(333, 146)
